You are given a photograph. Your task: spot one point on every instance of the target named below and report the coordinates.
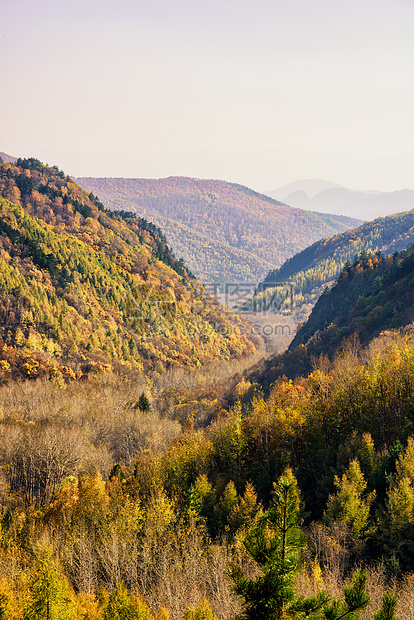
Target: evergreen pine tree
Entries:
(143, 403)
(275, 543)
(389, 604)
(49, 592)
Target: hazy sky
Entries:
(260, 92)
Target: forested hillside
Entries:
(223, 231)
(319, 265)
(139, 482)
(93, 289)
(108, 509)
(373, 294)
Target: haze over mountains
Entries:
(262, 169)
(9, 159)
(223, 231)
(327, 197)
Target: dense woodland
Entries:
(373, 294)
(318, 266)
(208, 491)
(109, 497)
(95, 289)
(222, 230)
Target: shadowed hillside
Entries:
(372, 295)
(309, 272)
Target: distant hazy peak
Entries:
(326, 197)
(311, 187)
(8, 159)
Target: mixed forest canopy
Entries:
(147, 471)
(224, 231)
(131, 509)
(88, 288)
(373, 294)
(309, 272)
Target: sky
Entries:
(260, 92)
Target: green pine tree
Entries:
(143, 403)
(49, 592)
(356, 600)
(275, 542)
(389, 604)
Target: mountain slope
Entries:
(318, 266)
(372, 294)
(8, 158)
(89, 287)
(243, 233)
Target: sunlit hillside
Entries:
(222, 230)
(94, 289)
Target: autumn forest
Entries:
(156, 463)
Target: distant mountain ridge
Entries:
(8, 159)
(223, 231)
(311, 187)
(327, 197)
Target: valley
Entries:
(224, 232)
(156, 428)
